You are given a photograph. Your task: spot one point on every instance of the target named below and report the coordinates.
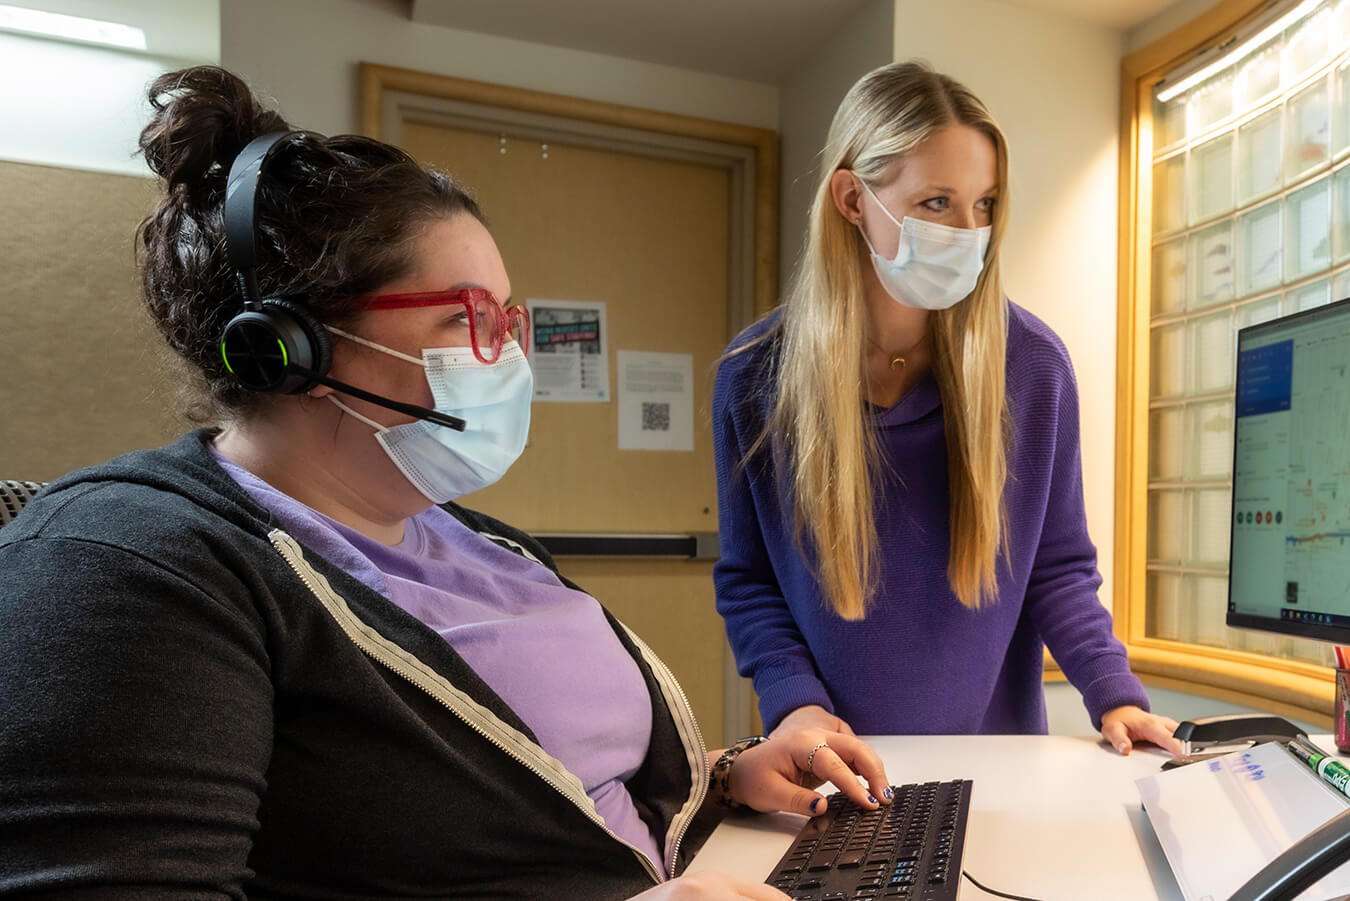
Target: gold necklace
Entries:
(897, 359)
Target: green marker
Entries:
(1331, 770)
(1335, 773)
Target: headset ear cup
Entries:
(260, 347)
(314, 350)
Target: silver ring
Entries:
(811, 758)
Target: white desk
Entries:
(1051, 817)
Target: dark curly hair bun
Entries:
(202, 118)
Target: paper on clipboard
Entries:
(1220, 821)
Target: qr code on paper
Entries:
(656, 417)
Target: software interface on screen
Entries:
(1291, 471)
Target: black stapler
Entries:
(1202, 738)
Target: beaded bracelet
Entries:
(721, 771)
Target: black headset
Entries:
(276, 345)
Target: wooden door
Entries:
(651, 238)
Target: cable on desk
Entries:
(985, 888)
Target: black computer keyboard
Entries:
(910, 849)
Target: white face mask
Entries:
(492, 399)
(935, 266)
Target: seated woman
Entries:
(273, 659)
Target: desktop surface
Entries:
(1051, 816)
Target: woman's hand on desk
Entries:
(709, 885)
(782, 773)
(1123, 726)
(812, 716)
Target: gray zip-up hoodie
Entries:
(192, 705)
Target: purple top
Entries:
(546, 649)
(921, 662)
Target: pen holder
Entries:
(1341, 716)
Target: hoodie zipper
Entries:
(697, 757)
(405, 665)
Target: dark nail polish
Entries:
(888, 794)
(815, 802)
(871, 800)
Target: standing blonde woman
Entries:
(898, 458)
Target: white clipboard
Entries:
(1220, 821)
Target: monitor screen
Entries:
(1289, 567)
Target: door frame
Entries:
(390, 95)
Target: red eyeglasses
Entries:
(486, 325)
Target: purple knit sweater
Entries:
(921, 662)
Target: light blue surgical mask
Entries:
(935, 266)
(493, 399)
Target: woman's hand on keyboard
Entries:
(710, 885)
(782, 773)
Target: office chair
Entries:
(13, 496)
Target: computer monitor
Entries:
(1289, 569)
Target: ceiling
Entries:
(758, 40)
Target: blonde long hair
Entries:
(820, 429)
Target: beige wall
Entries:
(82, 376)
(806, 104)
(1053, 85)
(81, 379)
(304, 52)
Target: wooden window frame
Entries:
(1291, 688)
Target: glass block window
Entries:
(1250, 220)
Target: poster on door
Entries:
(569, 350)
